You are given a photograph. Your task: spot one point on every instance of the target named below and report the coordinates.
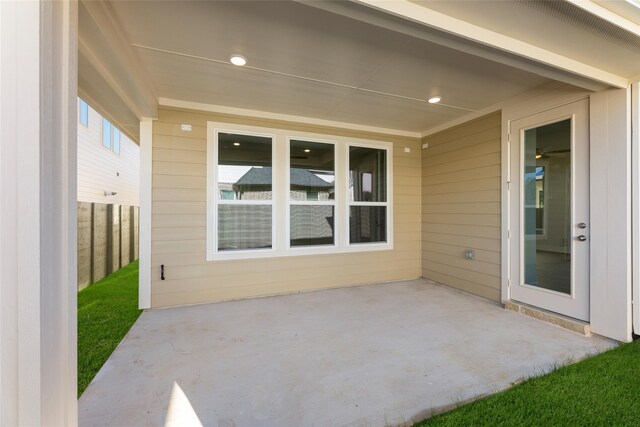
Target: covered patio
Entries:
(422, 111)
(385, 354)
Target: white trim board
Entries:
(145, 213)
(635, 200)
(610, 199)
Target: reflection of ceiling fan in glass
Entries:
(540, 154)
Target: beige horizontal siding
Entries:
(179, 223)
(461, 206)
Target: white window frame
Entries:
(311, 248)
(386, 204)
(281, 202)
(214, 200)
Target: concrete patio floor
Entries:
(376, 355)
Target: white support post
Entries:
(610, 230)
(38, 291)
(146, 160)
(635, 188)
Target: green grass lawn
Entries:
(603, 390)
(106, 311)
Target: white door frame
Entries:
(635, 170)
(576, 304)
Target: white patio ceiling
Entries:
(335, 61)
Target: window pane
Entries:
(106, 133)
(311, 225)
(84, 113)
(244, 227)
(312, 173)
(367, 224)
(116, 140)
(367, 174)
(547, 230)
(244, 166)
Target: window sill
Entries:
(298, 251)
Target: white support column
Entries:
(610, 229)
(38, 213)
(146, 163)
(635, 188)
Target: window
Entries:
(245, 183)
(311, 193)
(106, 133)
(110, 136)
(84, 113)
(274, 192)
(367, 195)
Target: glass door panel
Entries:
(547, 206)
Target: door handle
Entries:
(582, 238)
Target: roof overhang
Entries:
(541, 59)
(122, 76)
(110, 76)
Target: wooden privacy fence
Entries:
(107, 240)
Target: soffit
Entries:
(309, 62)
(627, 9)
(557, 26)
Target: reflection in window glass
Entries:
(311, 225)
(540, 200)
(312, 173)
(244, 166)
(244, 227)
(547, 231)
(367, 224)
(227, 195)
(367, 174)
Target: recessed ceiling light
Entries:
(237, 144)
(434, 100)
(307, 150)
(238, 60)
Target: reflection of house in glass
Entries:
(305, 185)
(247, 228)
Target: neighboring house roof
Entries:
(299, 178)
